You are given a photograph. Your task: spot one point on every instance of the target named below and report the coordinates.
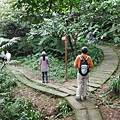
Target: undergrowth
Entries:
(57, 65)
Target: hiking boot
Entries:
(85, 98)
(47, 82)
(43, 81)
(78, 98)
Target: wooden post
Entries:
(65, 38)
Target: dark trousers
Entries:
(44, 74)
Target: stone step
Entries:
(72, 88)
(94, 114)
(91, 89)
(81, 115)
(59, 88)
(84, 110)
(62, 89)
(76, 105)
(102, 77)
(94, 85)
(22, 79)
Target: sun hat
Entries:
(43, 53)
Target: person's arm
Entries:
(76, 62)
(91, 65)
(48, 62)
(40, 61)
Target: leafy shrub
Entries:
(6, 82)
(64, 109)
(17, 109)
(115, 85)
(57, 63)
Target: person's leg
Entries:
(8, 60)
(79, 86)
(85, 81)
(46, 77)
(43, 77)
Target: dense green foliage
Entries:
(37, 25)
(17, 109)
(11, 107)
(64, 109)
(57, 62)
(41, 24)
(14, 108)
(115, 85)
(39, 21)
(7, 82)
(75, 17)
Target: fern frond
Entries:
(8, 42)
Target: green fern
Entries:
(8, 42)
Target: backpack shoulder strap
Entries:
(80, 57)
(87, 58)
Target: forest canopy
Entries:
(37, 21)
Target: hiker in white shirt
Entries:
(8, 56)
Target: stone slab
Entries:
(42, 89)
(94, 85)
(51, 85)
(72, 88)
(94, 114)
(91, 89)
(76, 105)
(62, 89)
(81, 115)
(88, 104)
(100, 76)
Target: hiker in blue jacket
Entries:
(90, 37)
(95, 39)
